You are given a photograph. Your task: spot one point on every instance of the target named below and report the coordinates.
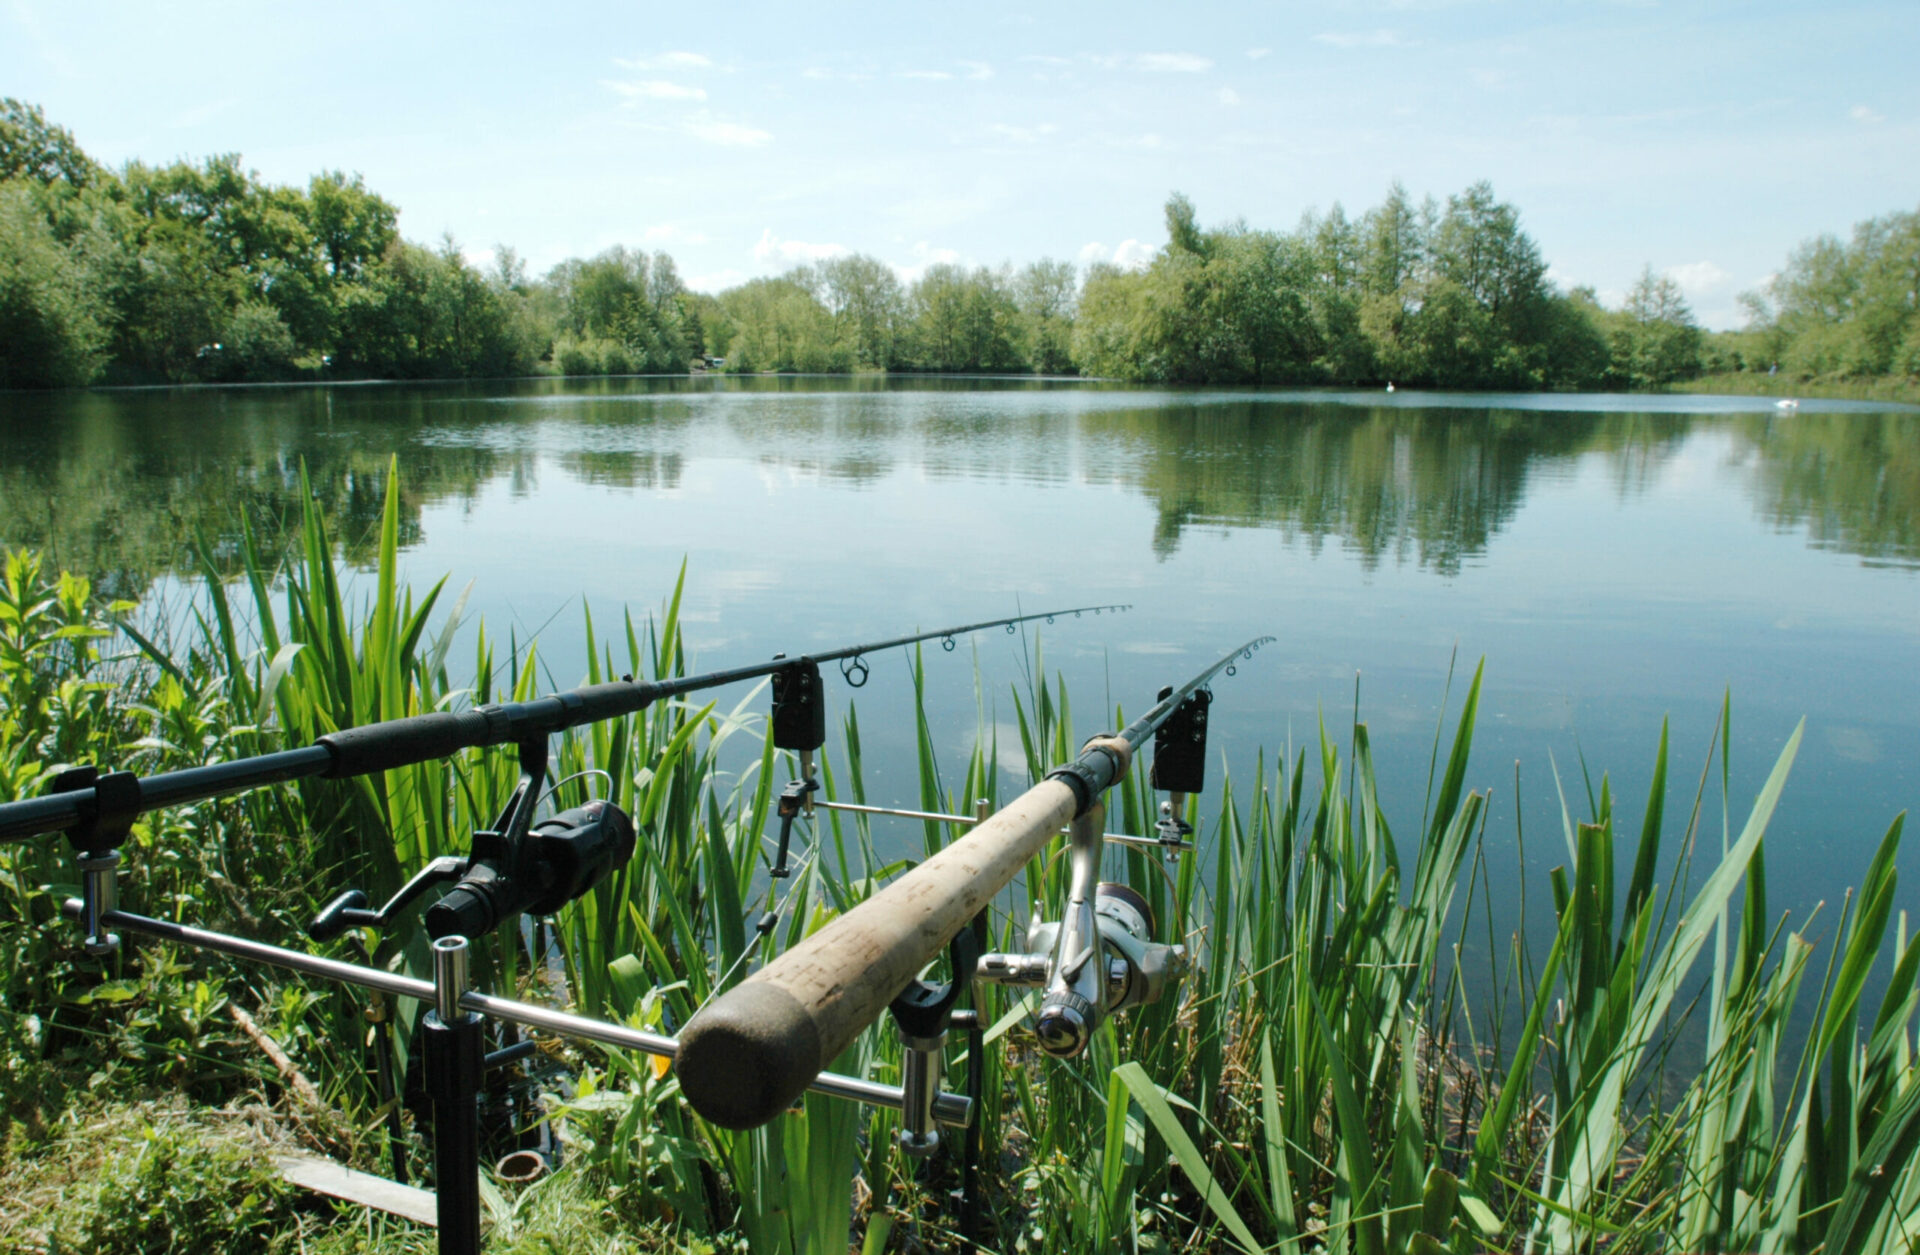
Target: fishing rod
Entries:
(82, 798)
(746, 1056)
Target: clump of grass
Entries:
(1902, 389)
(160, 1177)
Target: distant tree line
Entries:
(204, 273)
(1838, 308)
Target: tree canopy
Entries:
(203, 272)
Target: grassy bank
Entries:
(1323, 1081)
(1898, 388)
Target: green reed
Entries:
(1329, 1078)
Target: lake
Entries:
(1616, 560)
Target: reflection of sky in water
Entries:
(1625, 584)
(1613, 559)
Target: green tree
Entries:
(963, 320)
(623, 308)
(1655, 340)
(53, 324)
(1480, 246)
(33, 148)
(1845, 308)
(867, 304)
(1394, 244)
(1183, 231)
(1261, 315)
(1106, 330)
(174, 299)
(780, 324)
(352, 227)
(1574, 341)
(1046, 292)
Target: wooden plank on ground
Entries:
(323, 1176)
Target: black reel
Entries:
(557, 861)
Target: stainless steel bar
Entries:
(948, 1108)
(858, 809)
(1122, 838)
(969, 820)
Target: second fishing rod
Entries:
(83, 799)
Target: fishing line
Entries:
(565, 780)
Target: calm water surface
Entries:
(1615, 560)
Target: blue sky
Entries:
(1703, 139)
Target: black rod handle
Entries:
(60, 811)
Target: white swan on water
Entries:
(1787, 404)
(1389, 385)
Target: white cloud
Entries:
(934, 76)
(978, 70)
(1254, 54)
(716, 280)
(1130, 255)
(772, 246)
(1023, 134)
(478, 258)
(1698, 278)
(1492, 78)
(1149, 140)
(925, 255)
(1379, 38)
(666, 61)
(727, 134)
(1172, 63)
(672, 233)
(655, 89)
(1039, 58)
(1863, 113)
(1227, 96)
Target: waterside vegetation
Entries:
(1680, 1069)
(204, 273)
